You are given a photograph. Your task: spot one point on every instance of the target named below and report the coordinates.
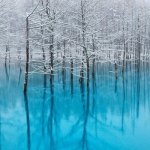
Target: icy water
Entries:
(116, 116)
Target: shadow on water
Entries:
(0, 129)
(6, 71)
(19, 76)
(66, 114)
(43, 105)
(27, 120)
(123, 102)
(85, 121)
(138, 91)
(94, 91)
(51, 116)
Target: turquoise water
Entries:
(111, 115)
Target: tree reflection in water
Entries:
(58, 112)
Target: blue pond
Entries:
(113, 114)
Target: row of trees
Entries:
(84, 30)
(12, 39)
(78, 33)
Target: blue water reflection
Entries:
(113, 114)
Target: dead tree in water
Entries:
(42, 32)
(71, 77)
(139, 43)
(116, 77)
(7, 47)
(63, 63)
(27, 55)
(82, 72)
(51, 17)
(124, 42)
(27, 49)
(93, 67)
(83, 24)
(116, 74)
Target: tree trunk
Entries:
(27, 56)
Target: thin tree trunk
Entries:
(27, 56)
(71, 77)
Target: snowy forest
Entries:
(57, 33)
(83, 60)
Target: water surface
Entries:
(113, 114)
